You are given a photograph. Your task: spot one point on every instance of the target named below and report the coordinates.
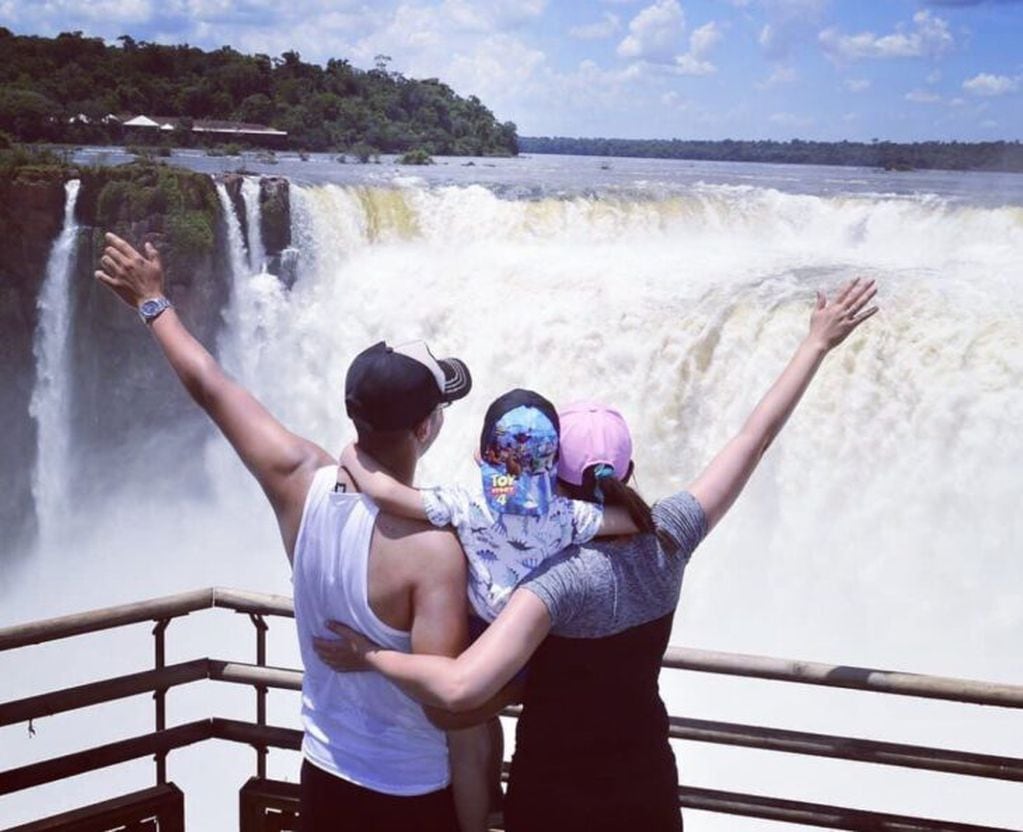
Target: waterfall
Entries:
(49, 404)
(882, 528)
(235, 239)
(250, 196)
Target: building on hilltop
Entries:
(205, 129)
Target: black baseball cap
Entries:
(391, 388)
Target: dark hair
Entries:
(600, 485)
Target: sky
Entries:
(899, 70)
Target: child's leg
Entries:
(496, 758)
(470, 750)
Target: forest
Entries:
(991, 156)
(47, 85)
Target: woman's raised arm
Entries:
(831, 322)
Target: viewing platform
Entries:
(267, 804)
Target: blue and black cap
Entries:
(519, 452)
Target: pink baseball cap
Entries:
(592, 433)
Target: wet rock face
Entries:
(128, 411)
(130, 417)
(125, 399)
(233, 184)
(275, 214)
(31, 213)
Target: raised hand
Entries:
(832, 321)
(345, 653)
(133, 277)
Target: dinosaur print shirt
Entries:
(502, 549)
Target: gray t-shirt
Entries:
(604, 588)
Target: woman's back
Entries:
(592, 746)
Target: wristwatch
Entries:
(150, 310)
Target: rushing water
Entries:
(882, 529)
(250, 196)
(49, 404)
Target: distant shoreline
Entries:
(1001, 156)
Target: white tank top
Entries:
(357, 726)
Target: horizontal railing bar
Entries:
(847, 748)
(761, 667)
(93, 621)
(841, 676)
(252, 734)
(108, 690)
(122, 751)
(810, 814)
(253, 602)
(154, 609)
(816, 814)
(693, 730)
(252, 674)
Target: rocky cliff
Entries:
(124, 398)
(31, 212)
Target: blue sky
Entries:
(902, 70)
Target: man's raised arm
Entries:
(282, 462)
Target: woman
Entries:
(592, 748)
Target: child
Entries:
(506, 532)
(518, 521)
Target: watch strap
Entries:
(150, 310)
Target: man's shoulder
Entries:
(416, 538)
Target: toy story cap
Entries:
(519, 453)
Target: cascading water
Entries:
(49, 403)
(250, 197)
(882, 529)
(237, 256)
(849, 543)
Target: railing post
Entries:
(160, 697)
(261, 750)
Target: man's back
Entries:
(399, 581)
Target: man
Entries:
(371, 756)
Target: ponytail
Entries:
(601, 485)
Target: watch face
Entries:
(150, 307)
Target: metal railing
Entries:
(261, 736)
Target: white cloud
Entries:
(689, 64)
(608, 25)
(990, 85)
(491, 15)
(789, 23)
(673, 100)
(780, 75)
(655, 33)
(857, 84)
(63, 15)
(703, 39)
(929, 36)
(923, 97)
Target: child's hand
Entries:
(349, 456)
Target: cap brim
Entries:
(457, 381)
